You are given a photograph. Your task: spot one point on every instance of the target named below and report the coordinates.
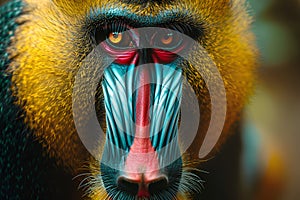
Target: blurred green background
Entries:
(275, 108)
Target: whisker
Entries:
(79, 175)
(191, 182)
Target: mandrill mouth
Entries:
(163, 187)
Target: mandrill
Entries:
(125, 99)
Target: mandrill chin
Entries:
(126, 99)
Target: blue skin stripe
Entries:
(119, 101)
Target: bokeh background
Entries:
(275, 108)
(273, 116)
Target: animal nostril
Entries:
(128, 186)
(158, 185)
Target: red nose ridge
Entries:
(142, 165)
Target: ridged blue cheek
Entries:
(166, 100)
(120, 86)
(117, 89)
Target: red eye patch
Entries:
(127, 56)
(126, 52)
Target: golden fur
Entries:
(48, 47)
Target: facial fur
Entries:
(55, 37)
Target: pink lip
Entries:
(143, 193)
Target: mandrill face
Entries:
(137, 92)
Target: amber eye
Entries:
(115, 37)
(167, 39)
(120, 40)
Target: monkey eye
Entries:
(115, 37)
(168, 40)
(120, 40)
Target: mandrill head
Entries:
(138, 92)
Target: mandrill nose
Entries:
(142, 188)
(127, 185)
